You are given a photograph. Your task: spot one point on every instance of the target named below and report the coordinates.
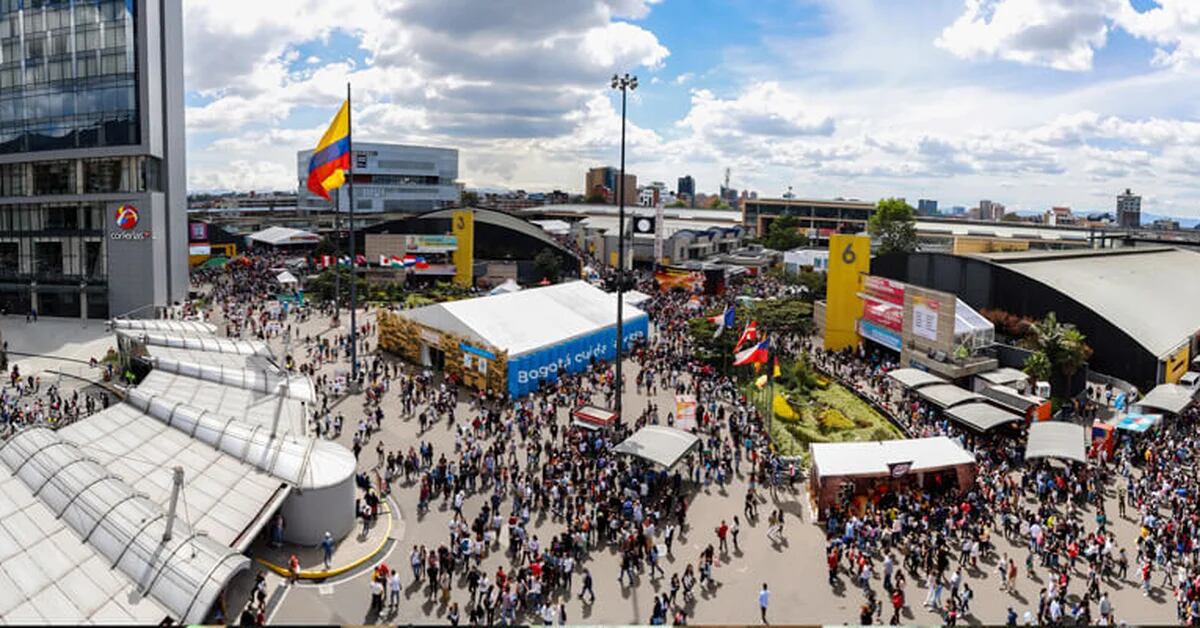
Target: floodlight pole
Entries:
(626, 84)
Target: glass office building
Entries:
(92, 193)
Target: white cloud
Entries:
(1062, 34)
(683, 78)
(1173, 25)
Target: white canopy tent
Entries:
(636, 298)
(509, 286)
(286, 278)
(1057, 439)
(284, 236)
(872, 459)
(1171, 398)
(664, 446)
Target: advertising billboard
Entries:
(925, 318)
(884, 314)
(881, 335)
(197, 232)
(526, 372)
(1176, 364)
(884, 289)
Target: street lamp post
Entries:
(626, 84)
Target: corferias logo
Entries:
(127, 218)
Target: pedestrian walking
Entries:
(764, 598)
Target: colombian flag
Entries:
(331, 159)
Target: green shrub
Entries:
(832, 420)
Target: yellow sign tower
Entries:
(849, 262)
(462, 226)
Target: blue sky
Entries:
(1031, 103)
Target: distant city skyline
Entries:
(1034, 104)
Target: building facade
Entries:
(927, 207)
(606, 177)
(820, 217)
(687, 187)
(1129, 210)
(389, 178)
(93, 207)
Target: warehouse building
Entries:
(1139, 308)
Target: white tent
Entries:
(286, 278)
(509, 286)
(525, 321)
(283, 236)
(664, 446)
(872, 459)
(1057, 439)
(634, 297)
(1171, 398)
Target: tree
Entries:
(468, 199)
(718, 203)
(783, 234)
(894, 224)
(1037, 366)
(595, 198)
(678, 203)
(781, 316)
(547, 265)
(1010, 218)
(325, 247)
(323, 285)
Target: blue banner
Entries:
(882, 335)
(525, 372)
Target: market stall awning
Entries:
(1057, 439)
(1012, 398)
(1004, 376)
(1138, 423)
(982, 416)
(947, 395)
(664, 446)
(592, 418)
(881, 458)
(1171, 398)
(286, 278)
(915, 378)
(215, 262)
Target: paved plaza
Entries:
(793, 567)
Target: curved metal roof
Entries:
(304, 462)
(209, 344)
(167, 326)
(183, 575)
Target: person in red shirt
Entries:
(897, 604)
(722, 535)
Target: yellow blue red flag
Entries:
(331, 159)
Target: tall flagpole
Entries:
(353, 253)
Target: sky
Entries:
(1030, 103)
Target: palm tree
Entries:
(1060, 348)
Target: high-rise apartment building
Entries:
(606, 177)
(687, 187)
(389, 178)
(989, 210)
(93, 198)
(927, 207)
(1129, 210)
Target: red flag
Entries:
(749, 334)
(754, 355)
